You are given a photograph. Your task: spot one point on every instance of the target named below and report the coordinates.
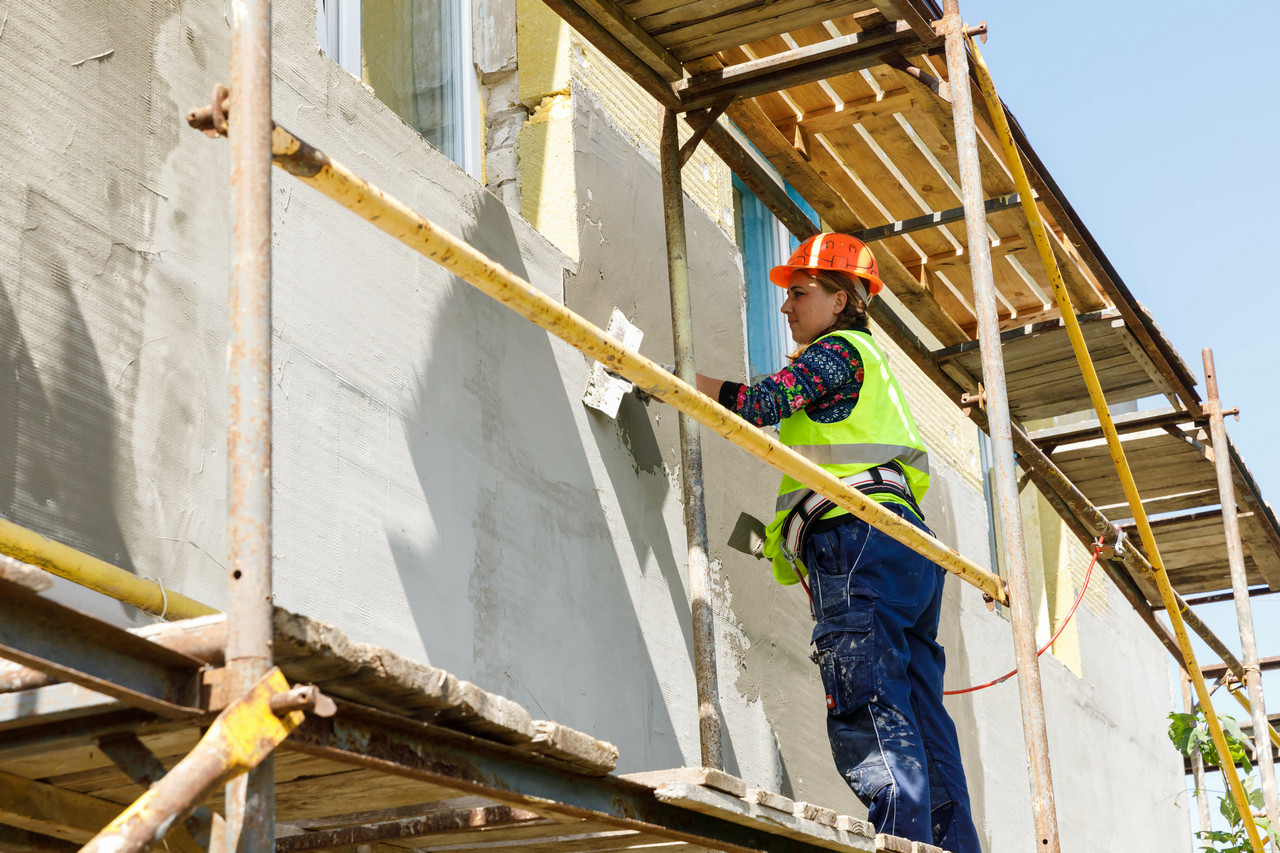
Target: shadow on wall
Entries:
(947, 516)
(513, 578)
(72, 316)
(56, 436)
(639, 480)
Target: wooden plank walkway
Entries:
(335, 800)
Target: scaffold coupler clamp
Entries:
(212, 120)
(1116, 549)
(968, 401)
(1230, 681)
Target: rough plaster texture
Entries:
(775, 720)
(439, 488)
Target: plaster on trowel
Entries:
(605, 390)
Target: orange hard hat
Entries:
(830, 251)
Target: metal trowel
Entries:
(748, 536)
(605, 390)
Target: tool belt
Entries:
(802, 521)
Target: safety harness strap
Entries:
(888, 479)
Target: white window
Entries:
(446, 90)
(338, 32)
(416, 55)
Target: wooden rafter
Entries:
(904, 10)
(40, 808)
(843, 115)
(631, 35)
(841, 55)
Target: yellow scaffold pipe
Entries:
(100, 576)
(1244, 703)
(996, 110)
(334, 180)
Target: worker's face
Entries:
(809, 309)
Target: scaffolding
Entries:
(807, 92)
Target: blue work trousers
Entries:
(877, 605)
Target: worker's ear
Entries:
(842, 299)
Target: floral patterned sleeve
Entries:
(824, 380)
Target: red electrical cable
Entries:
(1088, 574)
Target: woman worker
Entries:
(876, 602)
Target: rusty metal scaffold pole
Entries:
(695, 509)
(250, 797)
(1240, 589)
(1034, 730)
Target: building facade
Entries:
(439, 487)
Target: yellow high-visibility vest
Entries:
(878, 430)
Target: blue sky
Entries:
(1160, 123)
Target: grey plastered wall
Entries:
(439, 488)
(775, 733)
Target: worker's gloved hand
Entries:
(642, 396)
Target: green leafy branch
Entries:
(1190, 733)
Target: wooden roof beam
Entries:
(754, 171)
(841, 116)
(906, 11)
(649, 64)
(1085, 320)
(1128, 423)
(932, 97)
(41, 808)
(843, 55)
(624, 28)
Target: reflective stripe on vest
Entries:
(871, 454)
(853, 454)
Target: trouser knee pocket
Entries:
(845, 654)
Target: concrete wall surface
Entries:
(439, 488)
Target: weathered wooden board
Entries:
(705, 37)
(1261, 547)
(356, 818)
(540, 836)
(822, 815)
(752, 814)
(592, 842)
(23, 574)
(1043, 377)
(1162, 464)
(1194, 551)
(55, 762)
(708, 777)
(309, 650)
